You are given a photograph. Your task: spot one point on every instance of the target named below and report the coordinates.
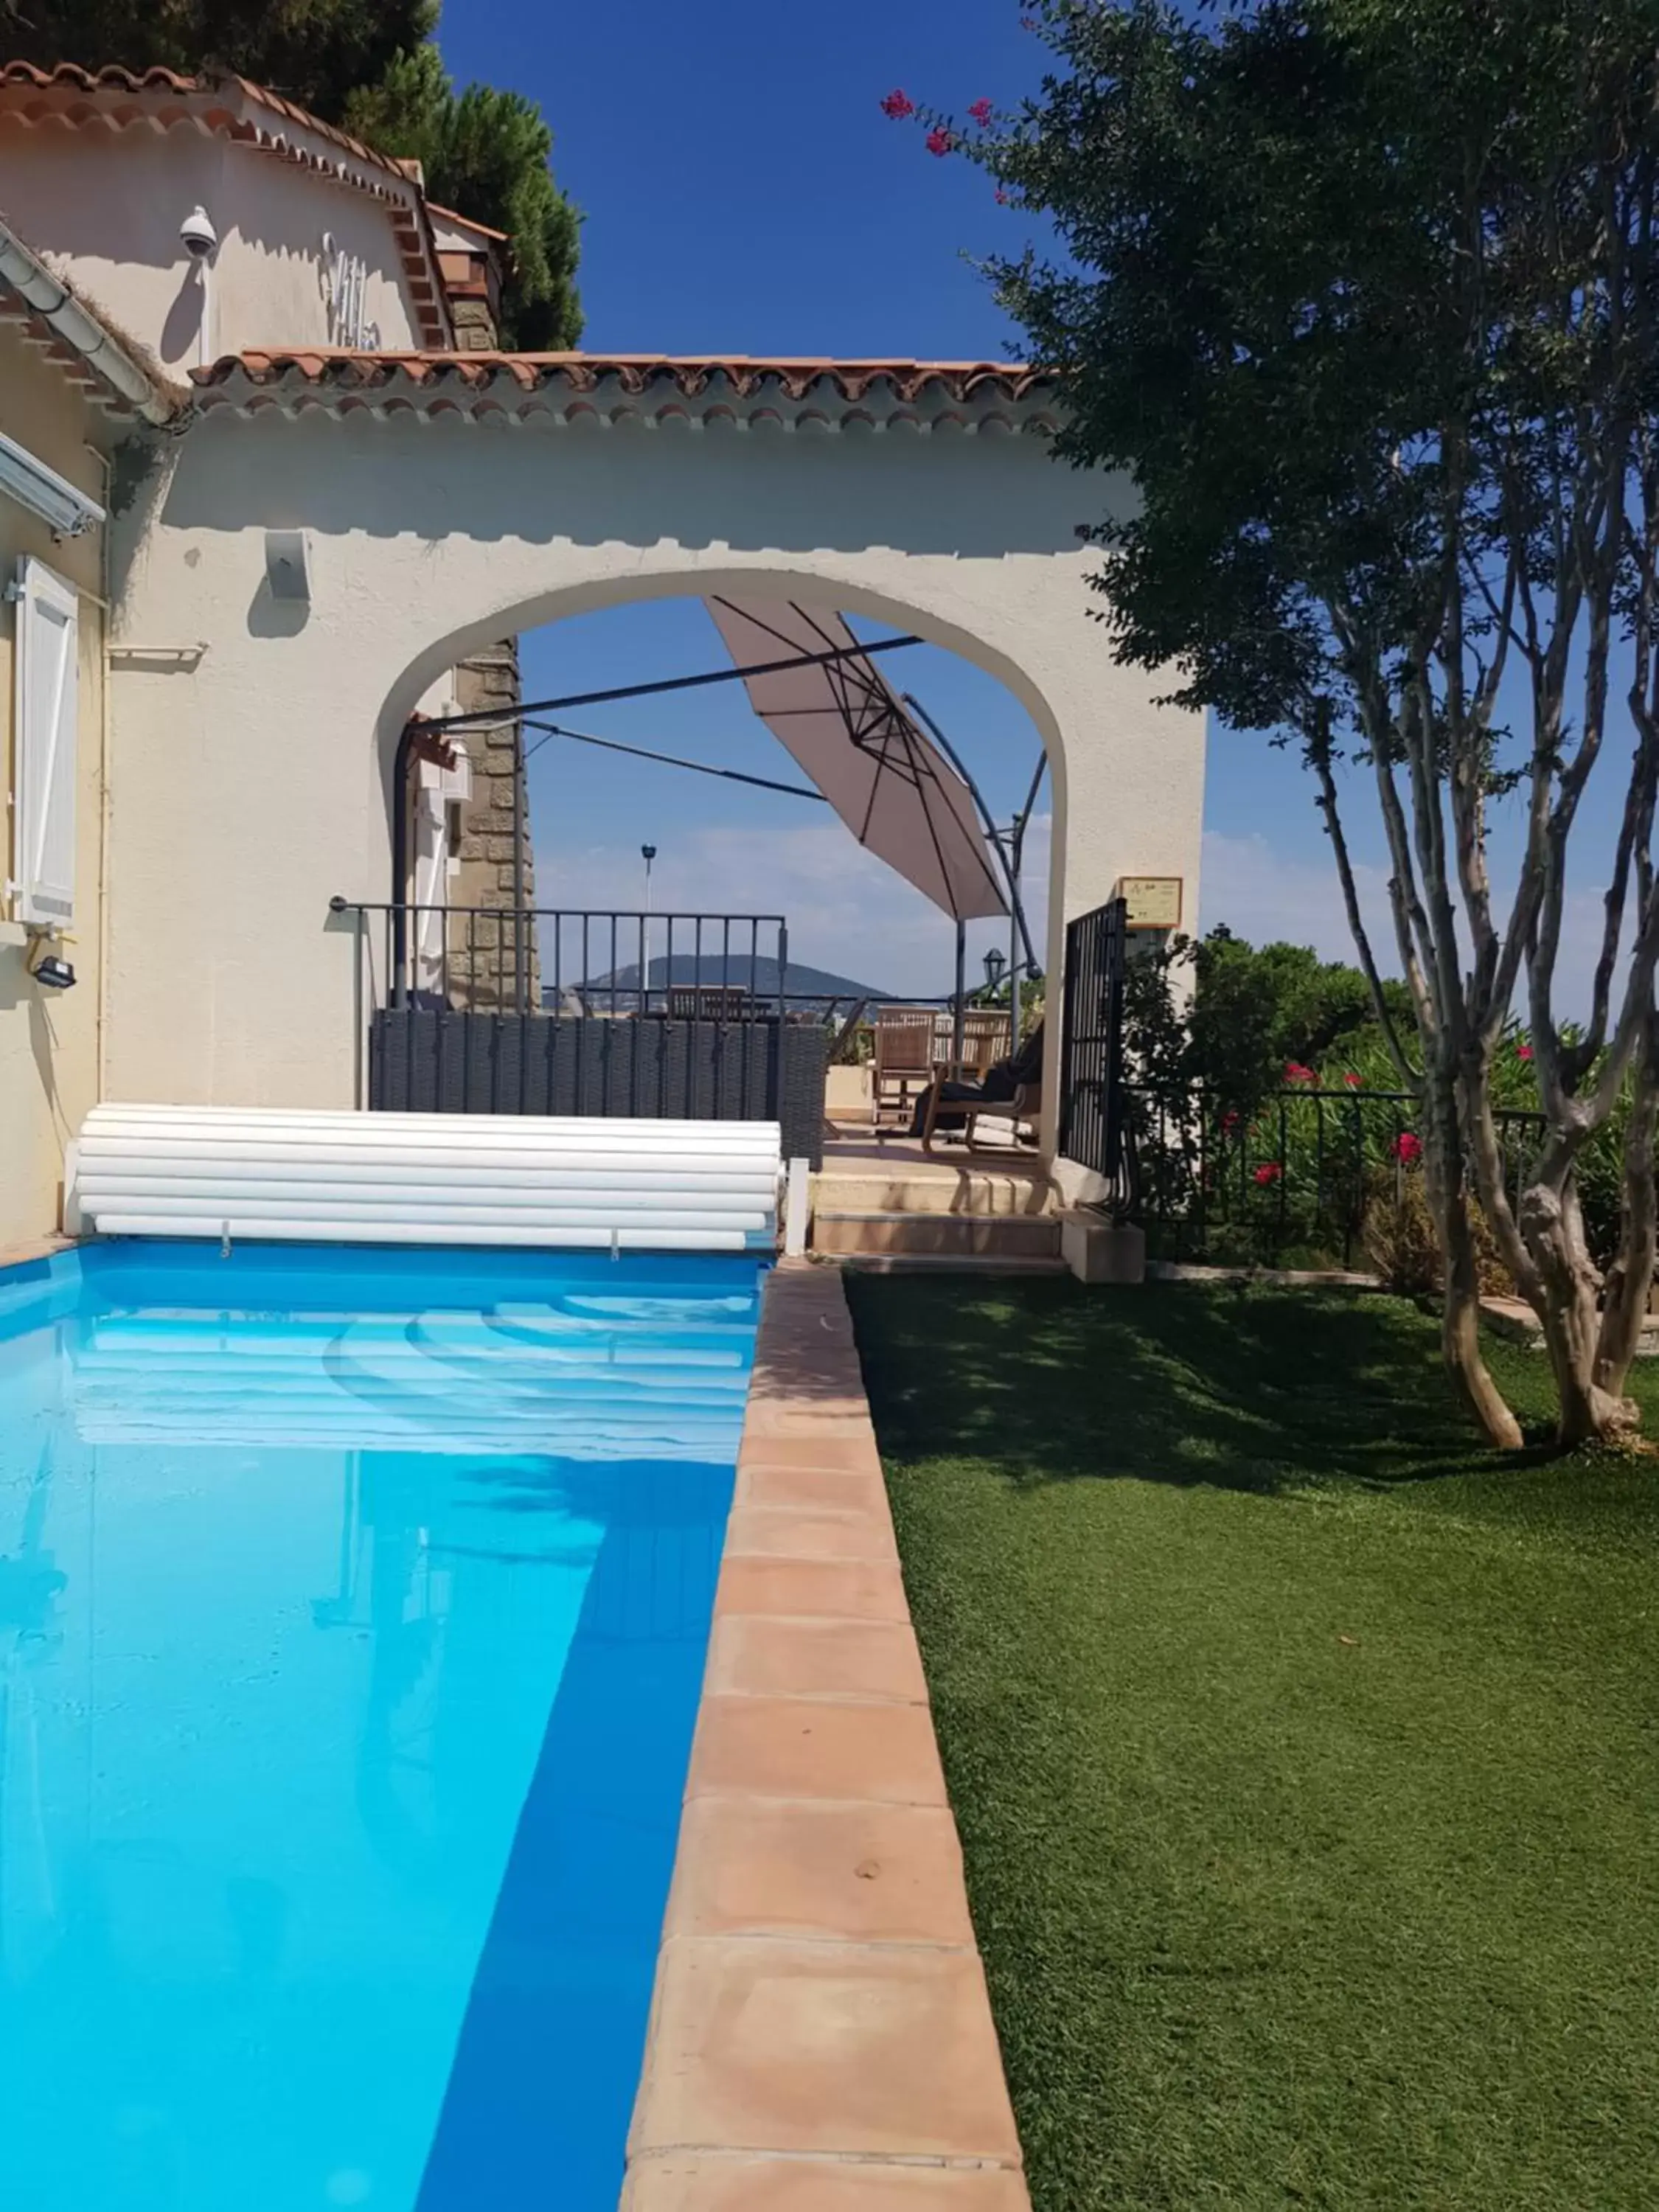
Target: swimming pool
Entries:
(353, 1612)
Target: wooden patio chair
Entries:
(1023, 1109)
(904, 1058)
(987, 1037)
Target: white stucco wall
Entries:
(255, 788)
(106, 208)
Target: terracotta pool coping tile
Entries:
(840, 1589)
(821, 2038)
(795, 1532)
(757, 1655)
(849, 1455)
(823, 1873)
(712, 2182)
(860, 2049)
(815, 1748)
(812, 1489)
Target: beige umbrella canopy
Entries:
(891, 786)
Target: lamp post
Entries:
(648, 853)
(996, 960)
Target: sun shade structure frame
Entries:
(834, 715)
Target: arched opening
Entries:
(754, 838)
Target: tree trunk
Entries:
(1460, 1296)
(1629, 1278)
(1553, 1229)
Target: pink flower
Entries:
(1230, 1121)
(898, 105)
(939, 141)
(1523, 1052)
(1406, 1147)
(1295, 1072)
(1352, 1080)
(1269, 1172)
(1002, 197)
(981, 112)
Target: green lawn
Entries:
(1304, 1756)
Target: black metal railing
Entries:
(501, 959)
(1296, 1178)
(1092, 1125)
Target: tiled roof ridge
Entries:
(113, 78)
(345, 369)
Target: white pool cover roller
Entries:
(426, 1178)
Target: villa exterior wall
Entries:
(256, 787)
(106, 208)
(49, 1040)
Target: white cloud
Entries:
(1270, 898)
(1267, 896)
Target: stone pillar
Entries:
(485, 974)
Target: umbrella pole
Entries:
(962, 988)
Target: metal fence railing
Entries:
(600, 961)
(1297, 1177)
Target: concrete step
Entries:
(981, 1192)
(845, 1230)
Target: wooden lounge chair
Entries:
(1023, 1109)
(904, 1058)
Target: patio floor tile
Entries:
(760, 1655)
(802, 1748)
(834, 2047)
(865, 1874)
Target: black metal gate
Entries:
(1092, 1129)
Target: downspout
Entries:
(100, 1048)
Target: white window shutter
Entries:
(46, 723)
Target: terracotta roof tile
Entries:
(211, 99)
(69, 76)
(743, 373)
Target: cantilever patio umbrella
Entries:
(891, 786)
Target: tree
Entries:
(485, 154)
(372, 69)
(1362, 296)
(314, 52)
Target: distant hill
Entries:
(800, 982)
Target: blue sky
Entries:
(743, 192)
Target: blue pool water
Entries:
(353, 1611)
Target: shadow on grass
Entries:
(1240, 1386)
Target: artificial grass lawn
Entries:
(1304, 1752)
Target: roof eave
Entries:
(115, 364)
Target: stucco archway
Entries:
(254, 788)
